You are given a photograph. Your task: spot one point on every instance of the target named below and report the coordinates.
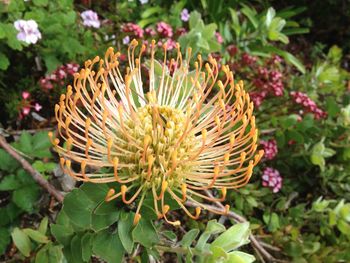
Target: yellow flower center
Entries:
(159, 133)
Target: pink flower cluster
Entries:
(135, 30)
(26, 105)
(308, 104)
(266, 82)
(271, 178)
(270, 148)
(164, 29)
(58, 76)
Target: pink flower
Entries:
(185, 16)
(232, 50)
(270, 148)
(28, 31)
(90, 19)
(164, 29)
(248, 59)
(25, 95)
(308, 104)
(150, 31)
(134, 29)
(37, 107)
(26, 110)
(219, 38)
(271, 178)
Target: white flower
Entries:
(90, 19)
(126, 40)
(143, 2)
(185, 16)
(28, 31)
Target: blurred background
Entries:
(292, 55)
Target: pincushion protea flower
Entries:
(184, 133)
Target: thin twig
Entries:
(14, 132)
(34, 173)
(240, 219)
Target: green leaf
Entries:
(51, 62)
(63, 234)
(77, 206)
(288, 57)
(4, 61)
(26, 197)
(213, 228)
(240, 257)
(195, 18)
(7, 163)
(86, 245)
(108, 246)
(145, 233)
(271, 13)
(25, 142)
(41, 145)
(21, 241)
(2, 31)
(189, 237)
(4, 239)
(10, 182)
(75, 247)
(233, 238)
(125, 227)
(344, 212)
(272, 220)
(40, 2)
(36, 235)
(343, 227)
(170, 235)
(43, 225)
(250, 14)
(151, 11)
(50, 254)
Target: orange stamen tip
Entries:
(227, 209)
(165, 209)
(109, 194)
(198, 211)
(137, 218)
(176, 223)
(164, 186)
(123, 189)
(50, 134)
(160, 215)
(56, 141)
(224, 192)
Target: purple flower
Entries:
(28, 31)
(185, 16)
(270, 148)
(90, 19)
(271, 178)
(126, 40)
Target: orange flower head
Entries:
(182, 133)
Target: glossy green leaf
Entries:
(125, 227)
(5, 239)
(145, 233)
(189, 237)
(21, 241)
(108, 246)
(233, 238)
(35, 235)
